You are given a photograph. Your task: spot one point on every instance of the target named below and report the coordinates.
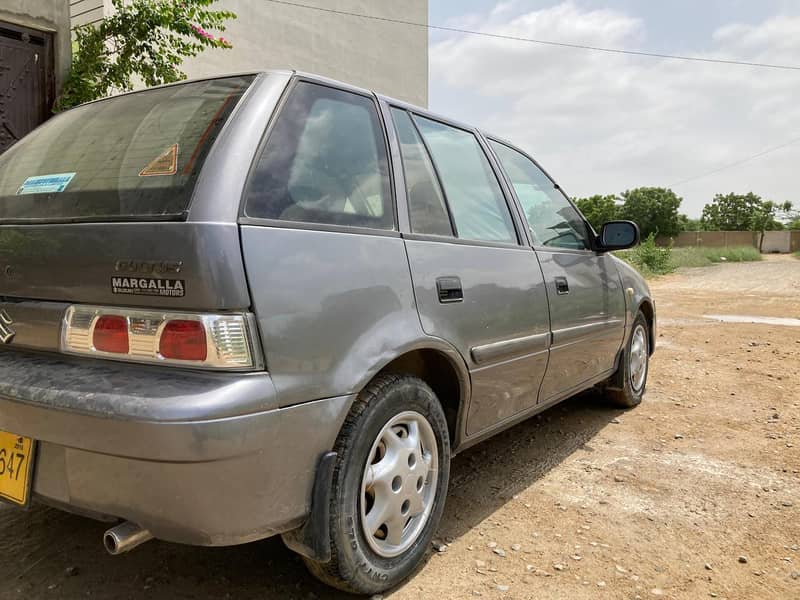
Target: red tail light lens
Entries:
(183, 340)
(111, 334)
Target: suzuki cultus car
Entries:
(275, 304)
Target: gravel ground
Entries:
(694, 494)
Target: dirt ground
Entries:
(694, 494)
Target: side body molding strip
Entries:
(529, 344)
(562, 337)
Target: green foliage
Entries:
(687, 224)
(794, 225)
(655, 210)
(146, 39)
(649, 258)
(744, 212)
(598, 209)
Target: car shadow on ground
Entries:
(60, 555)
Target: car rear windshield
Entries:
(135, 156)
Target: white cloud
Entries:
(602, 123)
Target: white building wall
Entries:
(87, 12)
(391, 58)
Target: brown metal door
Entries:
(26, 81)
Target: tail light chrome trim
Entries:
(230, 337)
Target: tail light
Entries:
(215, 341)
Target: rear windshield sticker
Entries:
(148, 286)
(45, 184)
(165, 164)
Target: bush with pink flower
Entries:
(143, 40)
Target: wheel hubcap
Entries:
(399, 484)
(638, 358)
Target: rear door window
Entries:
(472, 191)
(134, 156)
(325, 162)
(426, 205)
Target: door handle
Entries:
(449, 289)
(562, 286)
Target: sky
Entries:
(603, 123)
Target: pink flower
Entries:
(203, 32)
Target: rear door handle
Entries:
(449, 289)
(562, 286)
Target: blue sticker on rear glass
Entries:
(45, 184)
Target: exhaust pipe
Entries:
(125, 537)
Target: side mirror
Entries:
(618, 235)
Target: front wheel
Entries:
(389, 486)
(628, 385)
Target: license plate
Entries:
(16, 466)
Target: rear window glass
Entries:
(324, 162)
(128, 157)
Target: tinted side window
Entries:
(426, 205)
(325, 162)
(479, 210)
(552, 219)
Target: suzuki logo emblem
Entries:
(6, 333)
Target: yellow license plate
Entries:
(16, 462)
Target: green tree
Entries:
(732, 212)
(145, 39)
(769, 217)
(598, 209)
(745, 212)
(655, 210)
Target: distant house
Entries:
(378, 54)
(34, 60)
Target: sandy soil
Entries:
(580, 502)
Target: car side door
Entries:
(587, 305)
(476, 284)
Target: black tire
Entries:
(621, 391)
(354, 566)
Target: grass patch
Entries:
(703, 257)
(652, 260)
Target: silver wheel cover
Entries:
(399, 484)
(639, 354)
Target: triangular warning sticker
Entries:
(165, 164)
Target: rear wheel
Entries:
(389, 486)
(628, 385)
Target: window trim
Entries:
(416, 112)
(436, 175)
(431, 237)
(590, 233)
(329, 227)
(297, 79)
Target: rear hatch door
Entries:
(94, 206)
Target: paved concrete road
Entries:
(585, 502)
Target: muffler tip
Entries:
(124, 538)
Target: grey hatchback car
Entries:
(273, 303)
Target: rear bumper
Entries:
(196, 458)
